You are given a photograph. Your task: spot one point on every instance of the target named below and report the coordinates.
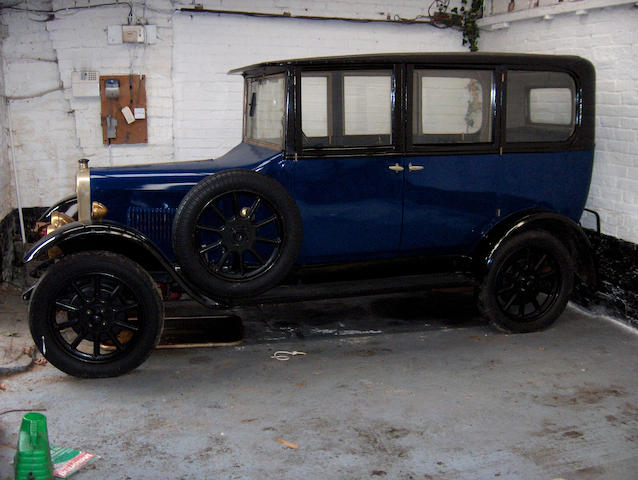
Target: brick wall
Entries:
(6, 189)
(208, 102)
(609, 38)
(42, 121)
(194, 108)
(358, 9)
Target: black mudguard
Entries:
(113, 237)
(564, 228)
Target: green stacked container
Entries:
(33, 458)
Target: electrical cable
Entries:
(66, 9)
(419, 19)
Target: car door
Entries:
(348, 177)
(452, 179)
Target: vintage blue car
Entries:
(371, 171)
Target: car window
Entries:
(367, 107)
(343, 109)
(452, 106)
(540, 106)
(265, 109)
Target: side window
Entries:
(452, 106)
(314, 105)
(540, 106)
(367, 104)
(346, 109)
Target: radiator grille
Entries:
(155, 223)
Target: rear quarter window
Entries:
(540, 107)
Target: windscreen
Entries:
(265, 109)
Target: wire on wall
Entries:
(420, 19)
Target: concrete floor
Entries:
(397, 387)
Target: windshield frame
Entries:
(248, 79)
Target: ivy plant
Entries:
(468, 17)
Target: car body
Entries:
(360, 167)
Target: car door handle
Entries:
(414, 168)
(396, 168)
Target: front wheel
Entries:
(528, 283)
(96, 314)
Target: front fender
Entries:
(116, 238)
(77, 236)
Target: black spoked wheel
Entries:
(239, 235)
(528, 284)
(236, 234)
(96, 314)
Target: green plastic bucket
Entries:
(33, 458)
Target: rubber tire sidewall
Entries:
(189, 210)
(487, 302)
(86, 263)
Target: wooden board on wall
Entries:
(133, 95)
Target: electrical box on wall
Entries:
(118, 34)
(133, 33)
(85, 84)
(123, 99)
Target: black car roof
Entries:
(431, 58)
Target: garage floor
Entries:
(397, 387)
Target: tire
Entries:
(528, 283)
(236, 234)
(96, 314)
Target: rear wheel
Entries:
(96, 314)
(528, 284)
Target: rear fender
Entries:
(563, 228)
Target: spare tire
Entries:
(236, 234)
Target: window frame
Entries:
(418, 101)
(453, 148)
(285, 134)
(568, 144)
(395, 147)
(402, 108)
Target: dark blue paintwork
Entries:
(456, 199)
(164, 185)
(356, 207)
(158, 189)
(351, 207)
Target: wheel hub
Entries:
(238, 234)
(98, 318)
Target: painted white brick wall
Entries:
(359, 9)
(208, 102)
(608, 38)
(80, 41)
(43, 128)
(52, 129)
(6, 188)
(194, 108)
